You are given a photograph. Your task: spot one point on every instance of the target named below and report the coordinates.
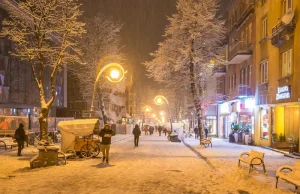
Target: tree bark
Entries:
(43, 120)
(197, 104)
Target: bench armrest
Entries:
(261, 160)
(3, 143)
(244, 153)
(284, 168)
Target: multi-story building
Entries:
(19, 95)
(238, 82)
(278, 90)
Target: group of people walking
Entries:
(196, 131)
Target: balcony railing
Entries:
(240, 91)
(239, 52)
(244, 17)
(219, 70)
(280, 32)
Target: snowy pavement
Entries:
(156, 166)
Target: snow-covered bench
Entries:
(66, 155)
(252, 158)
(7, 142)
(293, 176)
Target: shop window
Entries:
(286, 63)
(264, 72)
(264, 123)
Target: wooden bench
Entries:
(206, 142)
(66, 155)
(7, 142)
(252, 158)
(293, 176)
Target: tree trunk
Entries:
(197, 104)
(43, 120)
(102, 106)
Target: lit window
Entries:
(264, 123)
(264, 28)
(264, 72)
(287, 63)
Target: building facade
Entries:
(238, 79)
(19, 95)
(278, 90)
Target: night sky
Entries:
(144, 22)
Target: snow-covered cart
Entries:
(80, 135)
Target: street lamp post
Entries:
(159, 100)
(145, 109)
(115, 76)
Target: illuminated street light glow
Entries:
(158, 100)
(146, 109)
(114, 74)
(153, 115)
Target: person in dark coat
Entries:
(196, 130)
(165, 130)
(206, 131)
(159, 130)
(136, 132)
(106, 133)
(20, 137)
(151, 129)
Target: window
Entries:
(286, 6)
(264, 72)
(234, 81)
(246, 76)
(230, 86)
(263, 2)
(242, 77)
(264, 28)
(250, 74)
(287, 63)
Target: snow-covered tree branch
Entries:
(102, 40)
(192, 39)
(45, 33)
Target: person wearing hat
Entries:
(106, 133)
(20, 137)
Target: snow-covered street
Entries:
(156, 166)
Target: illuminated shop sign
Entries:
(283, 92)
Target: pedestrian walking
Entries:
(206, 130)
(106, 133)
(196, 130)
(151, 129)
(20, 137)
(159, 130)
(165, 130)
(136, 132)
(146, 129)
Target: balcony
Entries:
(245, 16)
(218, 70)
(240, 91)
(281, 32)
(239, 53)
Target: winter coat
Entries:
(20, 134)
(136, 131)
(103, 133)
(160, 128)
(196, 130)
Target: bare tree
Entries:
(46, 34)
(191, 40)
(101, 42)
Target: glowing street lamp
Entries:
(159, 100)
(115, 75)
(146, 109)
